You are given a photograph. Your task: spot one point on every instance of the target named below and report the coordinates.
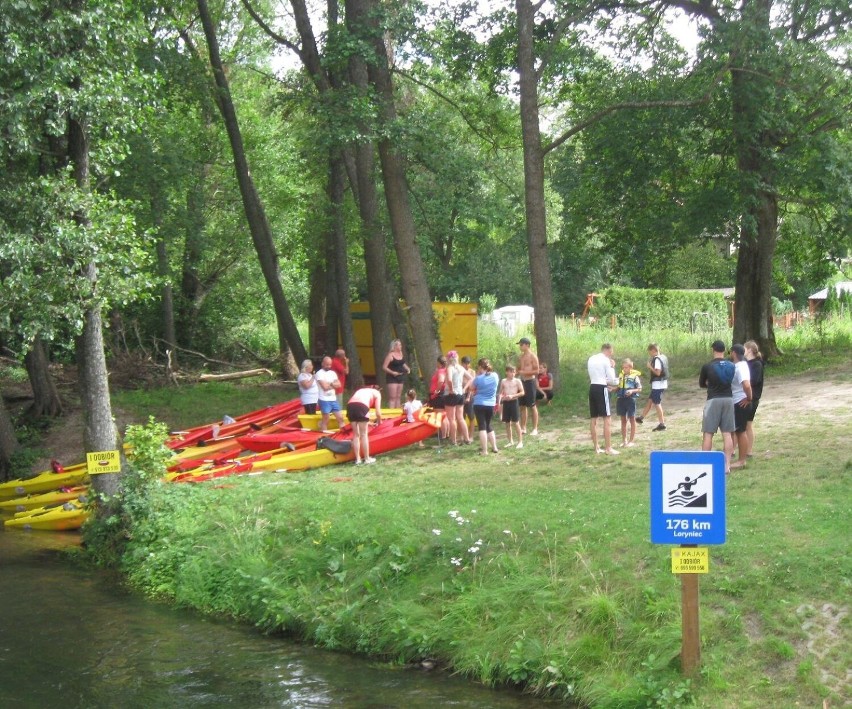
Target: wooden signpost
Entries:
(688, 509)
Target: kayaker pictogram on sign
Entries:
(688, 487)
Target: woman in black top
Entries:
(755, 367)
(395, 370)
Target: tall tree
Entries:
(53, 72)
(789, 99)
(290, 342)
(540, 275)
(366, 16)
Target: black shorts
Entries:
(599, 401)
(511, 411)
(437, 401)
(357, 412)
(453, 399)
(483, 417)
(310, 408)
(741, 417)
(528, 398)
(752, 410)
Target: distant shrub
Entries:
(636, 307)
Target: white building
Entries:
(512, 319)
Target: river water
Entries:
(71, 637)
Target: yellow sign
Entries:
(103, 462)
(690, 560)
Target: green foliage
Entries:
(121, 519)
(781, 307)
(689, 310)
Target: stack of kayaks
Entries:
(274, 439)
(62, 516)
(53, 500)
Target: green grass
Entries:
(535, 567)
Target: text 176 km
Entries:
(686, 524)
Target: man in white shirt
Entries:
(328, 384)
(602, 377)
(741, 390)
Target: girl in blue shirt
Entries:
(484, 388)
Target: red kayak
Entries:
(212, 432)
(282, 437)
(387, 436)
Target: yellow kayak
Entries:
(45, 482)
(31, 502)
(70, 515)
(311, 422)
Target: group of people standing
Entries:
(627, 384)
(471, 397)
(324, 390)
(734, 387)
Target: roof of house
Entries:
(838, 287)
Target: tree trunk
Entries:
(415, 288)
(100, 433)
(540, 276)
(290, 342)
(192, 289)
(9, 445)
(751, 97)
(339, 266)
(46, 401)
(375, 251)
(167, 302)
(361, 172)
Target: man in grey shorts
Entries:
(716, 377)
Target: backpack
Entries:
(725, 370)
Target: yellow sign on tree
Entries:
(103, 462)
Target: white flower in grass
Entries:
(507, 531)
(478, 542)
(473, 512)
(436, 532)
(458, 539)
(460, 520)
(473, 550)
(455, 561)
(453, 513)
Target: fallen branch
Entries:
(234, 375)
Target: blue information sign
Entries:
(687, 497)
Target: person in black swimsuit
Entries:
(395, 370)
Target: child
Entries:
(511, 391)
(544, 384)
(629, 386)
(410, 408)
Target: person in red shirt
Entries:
(340, 366)
(358, 411)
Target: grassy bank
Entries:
(534, 566)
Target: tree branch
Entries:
(635, 105)
(487, 139)
(280, 39)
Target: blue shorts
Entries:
(657, 395)
(327, 407)
(626, 406)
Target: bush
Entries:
(636, 307)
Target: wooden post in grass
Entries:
(690, 651)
